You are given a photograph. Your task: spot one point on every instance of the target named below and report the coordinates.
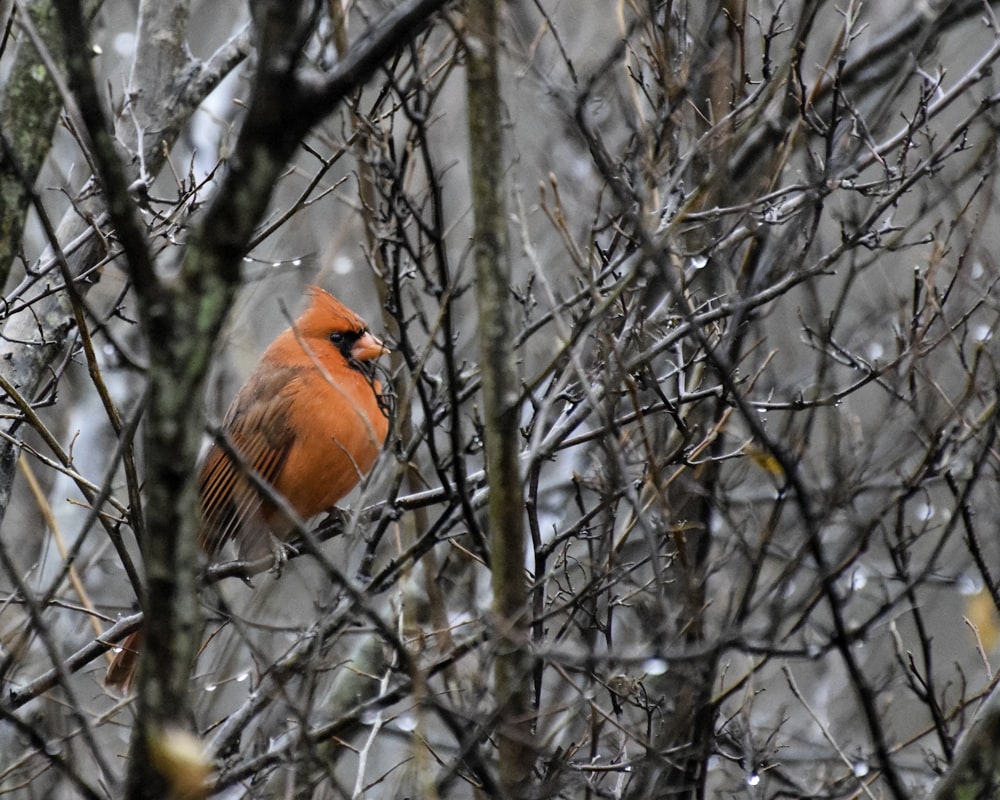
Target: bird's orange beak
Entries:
(368, 348)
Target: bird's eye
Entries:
(337, 338)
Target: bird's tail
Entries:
(121, 673)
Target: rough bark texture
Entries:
(29, 108)
(500, 398)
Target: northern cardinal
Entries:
(309, 421)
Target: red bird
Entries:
(309, 421)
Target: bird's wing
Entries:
(258, 428)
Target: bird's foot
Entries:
(333, 524)
(280, 551)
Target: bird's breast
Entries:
(338, 429)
